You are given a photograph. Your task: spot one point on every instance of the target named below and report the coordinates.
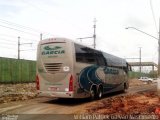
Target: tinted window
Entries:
(100, 58)
(85, 54)
(114, 61)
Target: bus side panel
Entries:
(91, 69)
(113, 78)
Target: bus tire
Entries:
(92, 93)
(99, 93)
(124, 88)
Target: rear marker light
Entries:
(37, 83)
(71, 83)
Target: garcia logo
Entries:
(52, 50)
(110, 71)
(49, 48)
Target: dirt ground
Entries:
(136, 82)
(17, 92)
(139, 103)
(131, 104)
(136, 103)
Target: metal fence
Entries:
(17, 71)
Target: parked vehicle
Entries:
(146, 79)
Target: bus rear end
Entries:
(55, 68)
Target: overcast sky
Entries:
(74, 18)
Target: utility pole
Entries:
(158, 82)
(18, 47)
(94, 34)
(159, 50)
(84, 38)
(40, 36)
(19, 44)
(140, 61)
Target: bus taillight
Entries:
(71, 83)
(37, 83)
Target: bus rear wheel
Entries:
(125, 88)
(92, 94)
(99, 93)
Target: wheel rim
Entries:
(100, 94)
(92, 94)
(125, 88)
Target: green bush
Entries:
(133, 74)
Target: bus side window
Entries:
(90, 58)
(85, 54)
(129, 67)
(100, 59)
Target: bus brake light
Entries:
(37, 83)
(71, 83)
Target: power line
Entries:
(11, 36)
(29, 39)
(7, 43)
(23, 27)
(17, 25)
(7, 40)
(23, 38)
(39, 8)
(7, 47)
(34, 6)
(18, 30)
(29, 50)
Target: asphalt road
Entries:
(45, 108)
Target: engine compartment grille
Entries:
(53, 67)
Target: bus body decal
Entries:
(88, 77)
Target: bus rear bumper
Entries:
(56, 94)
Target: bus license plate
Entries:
(53, 88)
